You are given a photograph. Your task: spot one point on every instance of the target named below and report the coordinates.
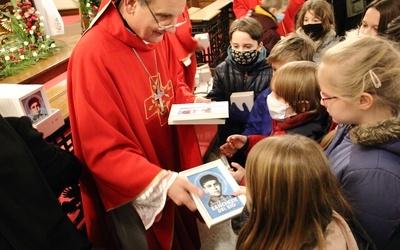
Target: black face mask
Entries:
(313, 30)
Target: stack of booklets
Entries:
(217, 203)
(30, 100)
(24, 99)
(199, 113)
(203, 80)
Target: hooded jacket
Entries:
(269, 25)
(366, 161)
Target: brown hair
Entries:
(292, 48)
(291, 193)
(323, 11)
(249, 25)
(388, 10)
(296, 82)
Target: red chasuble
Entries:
(119, 131)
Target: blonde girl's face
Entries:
(341, 110)
(370, 22)
(311, 18)
(241, 41)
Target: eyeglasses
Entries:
(325, 99)
(165, 27)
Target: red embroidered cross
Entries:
(159, 101)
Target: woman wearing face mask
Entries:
(294, 105)
(245, 69)
(316, 20)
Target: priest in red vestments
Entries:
(123, 77)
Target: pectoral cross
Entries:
(161, 95)
(158, 97)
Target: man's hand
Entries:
(200, 99)
(179, 192)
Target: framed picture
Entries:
(217, 203)
(35, 107)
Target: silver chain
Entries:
(159, 94)
(144, 66)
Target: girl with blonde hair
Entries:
(362, 94)
(293, 198)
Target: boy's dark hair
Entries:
(33, 100)
(208, 177)
(249, 25)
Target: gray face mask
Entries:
(244, 57)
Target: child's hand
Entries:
(240, 172)
(236, 141)
(241, 191)
(227, 150)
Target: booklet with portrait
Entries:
(30, 100)
(217, 203)
(24, 100)
(199, 113)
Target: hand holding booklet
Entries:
(199, 113)
(217, 203)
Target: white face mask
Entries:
(277, 109)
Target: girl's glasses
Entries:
(165, 27)
(326, 99)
